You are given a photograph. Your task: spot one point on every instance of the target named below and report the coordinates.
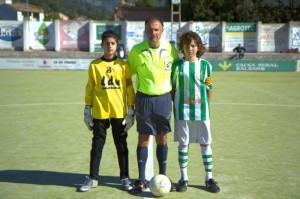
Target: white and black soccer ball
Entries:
(160, 185)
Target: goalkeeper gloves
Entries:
(129, 119)
(88, 120)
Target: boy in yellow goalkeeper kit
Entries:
(109, 100)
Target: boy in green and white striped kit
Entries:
(191, 94)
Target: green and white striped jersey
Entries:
(190, 81)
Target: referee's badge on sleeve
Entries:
(168, 65)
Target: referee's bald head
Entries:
(154, 19)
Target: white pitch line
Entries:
(82, 103)
(250, 104)
(44, 104)
(150, 163)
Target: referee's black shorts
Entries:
(153, 113)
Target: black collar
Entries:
(109, 60)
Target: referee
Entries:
(151, 61)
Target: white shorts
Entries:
(195, 131)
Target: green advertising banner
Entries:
(240, 33)
(103, 27)
(240, 27)
(254, 65)
(100, 28)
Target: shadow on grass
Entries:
(145, 194)
(198, 187)
(54, 178)
(75, 180)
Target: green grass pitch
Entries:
(45, 145)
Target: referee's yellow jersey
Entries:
(152, 67)
(109, 89)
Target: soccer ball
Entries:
(160, 185)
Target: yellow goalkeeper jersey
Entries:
(109, 89)
(152, 67)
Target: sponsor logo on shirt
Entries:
(193, 101)
(168, 65)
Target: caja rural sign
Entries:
(254, 65)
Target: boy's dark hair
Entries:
(109, 33)
(154, 19)
(187, 37)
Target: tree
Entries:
(276, 11)
(146, 3)
(72, 8)
(266, 11)
(51, 16)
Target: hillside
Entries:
(87, 9)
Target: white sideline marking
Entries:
(249, 104)
(82, 103)
(150, 164)
(45, 104)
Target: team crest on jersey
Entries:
(108, 69)
(168, 65)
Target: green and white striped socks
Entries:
(183, 161)
(207, 161)
(207, 158)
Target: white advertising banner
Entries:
(99, 28)
(48, 64)
(11, 35)
(210, 33)
(168, 29)
(134, 33)
(296, 37)
(41, 35)
(272, 37)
